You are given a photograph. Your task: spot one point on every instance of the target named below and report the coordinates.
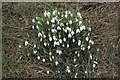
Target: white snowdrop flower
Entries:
(53, 25)
(45, 44)
(72, 32)
(38, 57)
(35, 51)
(60, 41)
(77, 31)
(50, 59)
(67, 45)
(50, 38)
(54, 37)
(63, 45)
(76, 75)
(64, 39)
(37, 27)
(69, 35)
(58, 28)
(76, 65)
(39, 34)
(95, 62)
(79, 42)
(52, 30)
(61, 24)
(66, 23)
(44, 36)
(68, 71)
(33, 20)
(78, 55)
(70, 21)
(53, 20)
(70, 29)
(66, 15)
(57, 51)
(71, 14)
(94, 65)
(56, 63)
(54, 12)
(85, 72)
(65, 30)
(38, 22)
(26, 43)
(74, 60)
(43, 60)
(89, 47)
(33, 27)
(58, 22)
(45, 13)
(36, 18)
(40, 39)
(20, 46)
(48, 14)
(62, 15)
(48, 44)
(92, 42)
(75, 52)
(79, 14)
(53, 57)
(86, 38)
(83, 27)
(48, 23)
(90, 56)
(68, 67)
(58, 13)
(60, 52)
(83, 48)
(58, 71)
(48, 72)
(76, 20)
(73, 40)
(89, 28)
(34, 46)
(80, 22)
(66, 12)
(50, 53)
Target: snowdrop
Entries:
(26, 43)
(54, 37)
(45, 44)
(53, 25)
(78, 55)
(48, 72)
(76, 75)
(70, 21)
(60, 41)
(58, 28)
(86, 38)
(79, 14)
(61, 24)
(76, 20)
(48, 23)
(77, 31)
(37, 27)
(67, 45)
(50, 38)
(20, 46)
(50, 53)
(39, 34)
(73, 40)
(64, 39)
(44, 36)
(33, 27)
(54, 12)
(53, 20)
(79, 42)
(33, 20)
(43, 60)
(94, 65)
(72, 32)
(80, 22)
(89, 28)
(89, 47)
(38, 57)
(60, 52)
(45, 13)
(34, 46)
(56, 63)
(69, 35)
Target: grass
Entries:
(17, 28)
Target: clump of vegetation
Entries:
(63, 42)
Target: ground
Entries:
(16, 28)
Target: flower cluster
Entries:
(62, 40)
